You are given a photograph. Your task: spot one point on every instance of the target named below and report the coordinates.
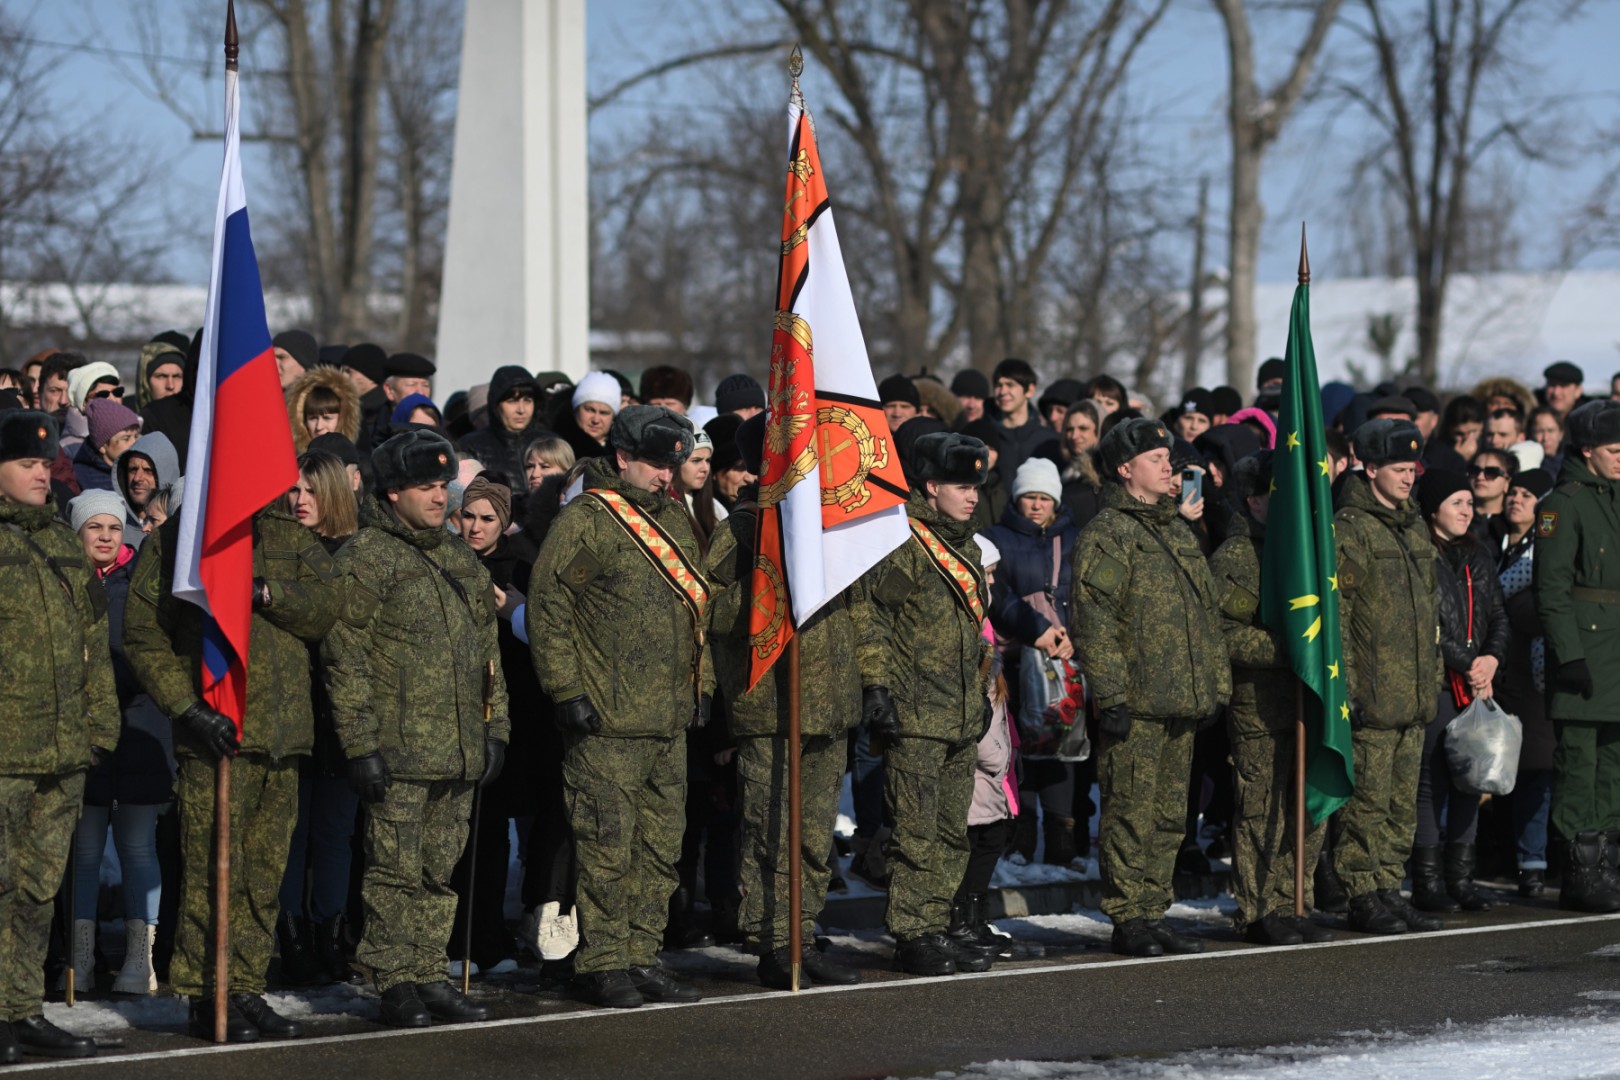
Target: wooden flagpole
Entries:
(795, 869)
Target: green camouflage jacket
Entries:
(1578, 551)
(829, 682)
(606, 623)
(1146, 630)
(163, 635)
(917, 639)
(1387, 609)
(406, 661)
(57, 697)
(1262, 677)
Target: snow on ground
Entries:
(1525, 1049)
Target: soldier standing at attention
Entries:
(925, 667)
(1577, 582)
(618, 609)
(295, 599)
(1148, 637)
(830, 706)
(61, 711)
(1262, 726)
(1391, 622)
(407, 666)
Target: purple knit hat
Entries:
(107, 418)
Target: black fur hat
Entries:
(1387, 440)
(949, 457)
(28, 433)
(1129, 438)
(417, 456)
(1596, 423)
(653, 433)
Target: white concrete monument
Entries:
(517, 258)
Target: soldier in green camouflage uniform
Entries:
(59, 705)
(619, 645)
(924, 667)
(830, 704)
(1148, 639)
(407, 668)
(1262, 725)
(1393, 670)
(295, 600)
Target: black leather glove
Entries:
(368, 777)
(261, 594)
(1115, 721)
(1358, 718)
(705, 709)
(211, 731)
(987, 719)
(878, 713)
(494, 760)
(1575, 678)
(577, 716)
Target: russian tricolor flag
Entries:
(241, 454)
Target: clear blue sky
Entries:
(1182, 84)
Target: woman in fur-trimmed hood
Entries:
(320, 400)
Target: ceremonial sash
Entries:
(964, 576)
(661, 551)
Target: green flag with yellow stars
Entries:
(1299, 587)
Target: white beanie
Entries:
(1038, 476)
(1529, 453)
(601, 388)
(83, 507)
(989, 554)
(81, 379)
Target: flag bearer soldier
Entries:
(1148, 636)
(295, 599)
(618, 610)
(60, 710)
(924, 666)
(420, 719)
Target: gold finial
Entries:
(795, 61)
(1304, 258)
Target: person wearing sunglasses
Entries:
(1489, 474)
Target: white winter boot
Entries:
(559, 933)
(137, 976)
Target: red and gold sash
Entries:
(964, 576)
(661, 551)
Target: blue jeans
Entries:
(326, 819)
(1532, 805)
(134, 830)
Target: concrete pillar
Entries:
(517, 257)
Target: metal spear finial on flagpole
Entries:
(795, 61)
(231, 46)
(1304, 258)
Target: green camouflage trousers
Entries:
(1379, 822)
(1143, 782)
(762, 769)
(1586, 778)
(413, 839)
(37, 816)
(1263, 828)
(264, 809)
(627, 805)
(929, 790)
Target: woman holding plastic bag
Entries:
(1473, 639)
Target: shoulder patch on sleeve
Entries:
(1546, 522)
(1107, 575)
(894, 588)
(1239, 603)
(359, 604)
(1350, 573)
(322, 564)
(148, 579)
(581, 570)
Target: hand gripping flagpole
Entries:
(1299, 703)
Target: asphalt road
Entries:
(1076, 1004)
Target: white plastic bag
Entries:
(1482, 747)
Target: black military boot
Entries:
(684, 931)
(926, 954)
(1584, 888)
(1532, 883)
(1308, 930)
(1369, 915)
(1428, 890)
(1059, 834)
(655, 983)
(1272, 930)
(775, 971)
(448, 1005)
(1172, 941)
(1133, 938)
(402, 1007)
(960, 933)
(1331, 895)
(38, 1036)
(1414, 919)
(1460, 862)
(1000, 945)
(825, 970)
(238, 1028)
(609, 989)
(969, 955)
(300, 966)
(331, 940)
(271, 1024)
(10, 1051)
